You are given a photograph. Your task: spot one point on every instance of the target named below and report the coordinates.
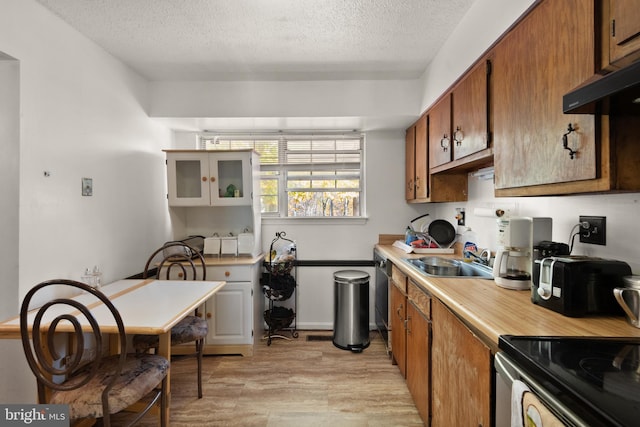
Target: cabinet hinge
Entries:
(488, 67)
(613, 28)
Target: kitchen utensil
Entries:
(629, 299)
(229, 245)
(421, 223)
(212, 246)
(442, 232)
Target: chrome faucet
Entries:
(483, 258)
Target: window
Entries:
(304, 176)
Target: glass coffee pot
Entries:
(512, 268)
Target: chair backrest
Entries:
(82, 364)
(186, 262)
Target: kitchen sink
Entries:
(447, 267)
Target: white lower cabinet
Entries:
(230, 315)
(235, 312)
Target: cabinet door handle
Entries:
(398, 311)
(444, 143)
(458, 136)
(408, 325)
(410, 185)
(565, 141)
(417, 182)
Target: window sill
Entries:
(336, 220)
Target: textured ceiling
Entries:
(267, 39)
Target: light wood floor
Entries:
(293, 383)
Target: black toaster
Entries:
(578, 286)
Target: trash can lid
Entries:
(351, 276)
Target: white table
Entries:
(146, 306)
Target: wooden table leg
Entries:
(164, 349)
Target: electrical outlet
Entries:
(460, 216)
(593, 229)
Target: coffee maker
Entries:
(513, 264)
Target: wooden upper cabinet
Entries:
(416, 171)
(440, 140)
(422, 175)
(410, 163)
(470, 112)
(550, 52)
(623, 32)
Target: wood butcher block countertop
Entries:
(491, 311)
(213, 260)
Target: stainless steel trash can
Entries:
(351, 310)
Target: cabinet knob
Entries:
(212, 179)
(458, 136)
(204, 179)
(180, 275)
(227, 273)
(209, 315)
(444, 142)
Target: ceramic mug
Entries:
(629, 299)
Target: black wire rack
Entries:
(279, 286)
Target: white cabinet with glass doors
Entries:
(205, 178)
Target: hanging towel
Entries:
(518, 389)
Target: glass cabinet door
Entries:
(188, 179)
(230, 179)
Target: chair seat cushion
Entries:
(191, 328)
(140, 374)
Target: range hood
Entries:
(614, 93)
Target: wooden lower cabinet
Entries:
(398, 315)
(447, 368)
(418, 357)
(460, 373)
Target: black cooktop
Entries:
(597, 378)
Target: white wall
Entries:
(9, 177)
(82, 114)
(620, 209)
(481, 26)
(382, 101)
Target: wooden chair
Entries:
(178, 261)
(94, 386)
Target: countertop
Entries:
(491, 311)
(213, 260)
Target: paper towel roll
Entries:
(488, 212)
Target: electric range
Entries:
(596, 378)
